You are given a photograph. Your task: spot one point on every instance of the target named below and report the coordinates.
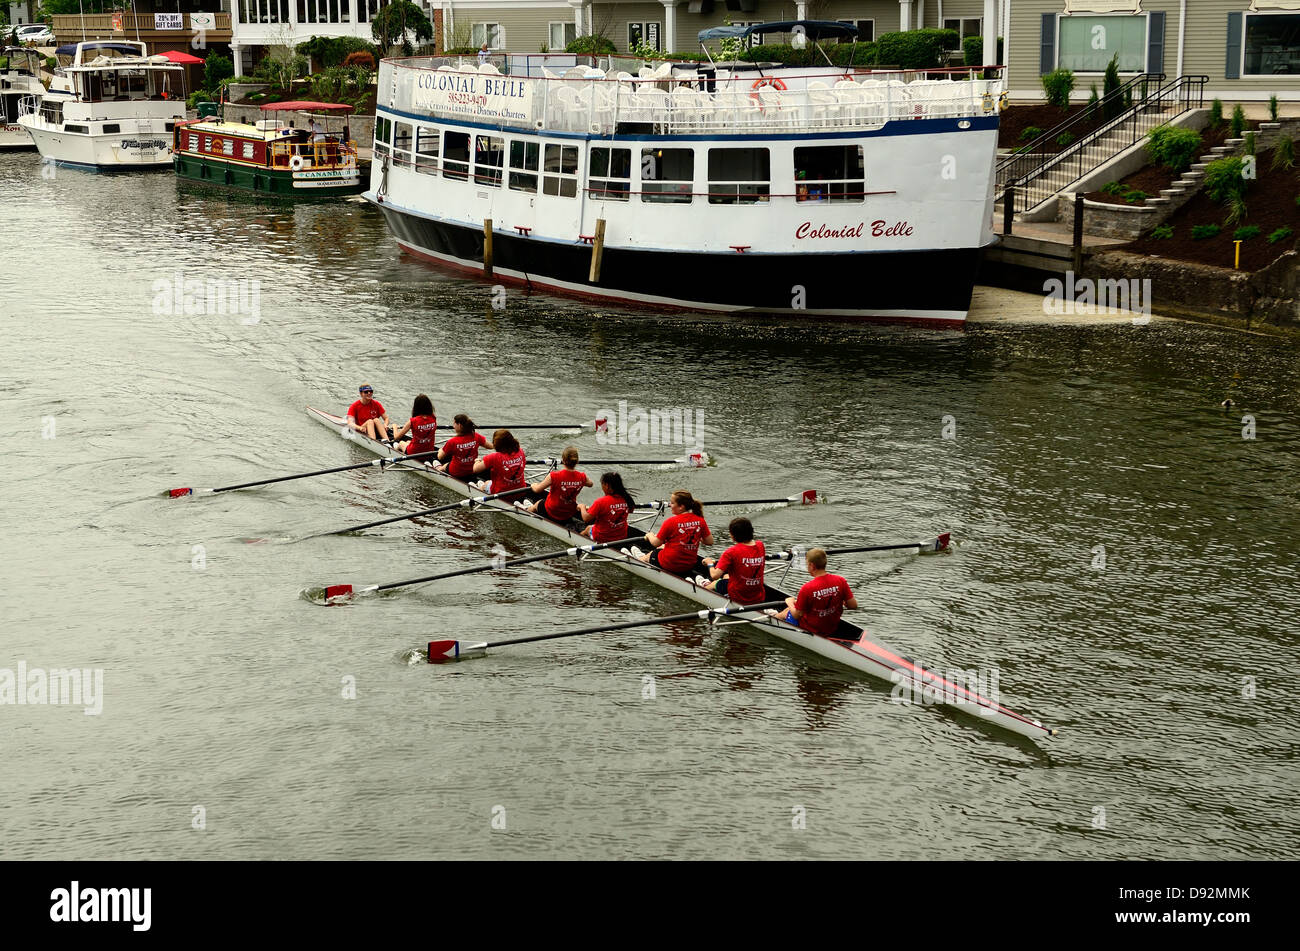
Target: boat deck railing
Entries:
(587, 100)
(319, 154)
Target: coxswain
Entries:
(422, 427)
(368, 416)
(606, 517)
(738, 574)
(821, 601)
(559, 490)
(459, 452)
(505, 464)
(677, 541)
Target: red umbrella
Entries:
(176, 56)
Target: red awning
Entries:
(176, 56)
(298, 106)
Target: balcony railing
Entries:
(126, 25)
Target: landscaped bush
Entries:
(843, 54)
(1162, 232)
(915, 49)
(1201, 232)
(1236, 209)
(217, 68)
(1065, 138)
(1223, 178)
(1238, 123)
(1246, 233)
(327, 51)
(592, 46)
(1093, 102)
(196, 97)
(360, 58)
(1057, 86)
(1284, 153)
(1173, 147)
(972, 51)
(1112, 102)
(1029, 133)
(1135, 195)
(1272, 107)
(1250, 143)
(1281, 234)
(1216, 114)
(1114, 188)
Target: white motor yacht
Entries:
(20, 78)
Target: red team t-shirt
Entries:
(363, 413)
(822, 602)
(507, 471)
(463, 450)
(424, 431)
(681, 535)
(562, 498)
(610, 523)
(744, 562)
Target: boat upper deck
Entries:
(525, 92)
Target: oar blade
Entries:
(941, 543)
(809, 497)
(328, 595)
(443, 652)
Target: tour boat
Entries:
(272, 157)
(19, 79)
(111, 108)
(805, 192)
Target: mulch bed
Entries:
(1270, 204)
(1014, 120)
(1153, 178)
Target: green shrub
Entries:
(972, 51)
(1173, 147)
(1236, 210)
(1065, 138)
(592, 46)
(327, 51)
(51, 63)
(779, 53)
(1135, 195)
(1115, 188)
(216, 68)
(915, 49)
(1093, 101)
(1201, 232)
(851, 54)
(1112, 102)
(1246, 233)
(1030, 133)
(1284, 153)
(1272, 107)
(1216, 114)
(1223, 178)
(1238, 123)
(1057, 86)
(1250, 143)
(1162, 232)
(1281, 234)
(196, 97)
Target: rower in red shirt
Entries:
(423, 427)
(560, 503)
(505, 464)
(820, 602)
(460, 451)
(607, 516)
(677, 541)
(367, 415)
(738, 574)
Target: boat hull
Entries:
(285, 183)
(855, 651)
(14, 138)
(115, 152)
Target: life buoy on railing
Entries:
(1004, 100)
(296, 163)
(771, 82)
(988, 102)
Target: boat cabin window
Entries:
(611, 173)
(248, 150)
(427, 139)
(667, 175)
(402, 141)
(561, 171)
(76, 128)
(829, 173)
(739, 176)
(112, 127)
(192, 142)
(524, 162)
(455, 155)
(489, 154)
(383, 133)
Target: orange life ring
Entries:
(772, 82)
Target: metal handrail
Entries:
(1185, 92)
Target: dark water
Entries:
(222, 689)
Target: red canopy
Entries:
(298, 106)
(176, 56)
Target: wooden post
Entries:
(487, 247)
(1078, 235)
(1008, 206)
(597, 250)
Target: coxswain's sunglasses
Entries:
(366, 389)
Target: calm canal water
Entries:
(1168, 670)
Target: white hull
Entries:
(147, 148)
(14, 137)
(863, 655)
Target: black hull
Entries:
(932, 287)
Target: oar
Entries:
(577, 426)
(463, 503)
(440, 651)
(338, 593)
(694, 460)
(381, 463)
(939, 543)
(807, 497)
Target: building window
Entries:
(267, 11)
(524, 161)
(667, 175)
(402, 136)
(489, 33)
(829, 173)
(562, 33)
(426, 149)
(643, 33)
(489, 153)
(739, 176)
(455, 155)
(867, 29)
(611, 173)
(560, 173)
(1272, 45)
(1087, 44)
(967, 26)
(383, 129)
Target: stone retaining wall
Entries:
(363, 127)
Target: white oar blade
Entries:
(441, 652)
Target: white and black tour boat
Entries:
(20, 78)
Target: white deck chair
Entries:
(489, 69)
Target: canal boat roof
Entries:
(303, 106)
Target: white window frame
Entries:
(560, 177)
(645, 33)
(1241, 68)
(477, 37)
(1146, 42)
(566, 26)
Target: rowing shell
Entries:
(851, 647)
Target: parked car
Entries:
(37, 33)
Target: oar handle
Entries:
(670, 619)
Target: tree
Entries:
(397, 23)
